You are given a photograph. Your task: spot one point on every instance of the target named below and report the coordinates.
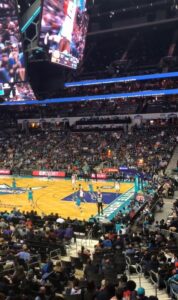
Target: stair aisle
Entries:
(173, 162)
(149, 288)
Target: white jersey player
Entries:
(64, 37)
(68, 24)
(74, 180)
(117, 187)
(81, 193)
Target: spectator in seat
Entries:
(69, 233)
(130, 250)
(84, 254)
(60, 232)
(18, 275)
(47, 268)
(24, 254)
(174, 278)
(141, 294)
(90, 291)
(42, 294)
(130, 292)
(106, 292)
(107, 242)
(75, 290)
(119, 295)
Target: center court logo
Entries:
(6, 189)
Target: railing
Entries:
(174, 289)
(55, 254)
(139, 273)
(154, 277)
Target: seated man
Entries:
(173, 280)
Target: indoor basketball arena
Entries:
(88, 149)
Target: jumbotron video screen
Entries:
(13, 77)
(20, 91)
(63, 30)
(12, 68)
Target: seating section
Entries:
(143, 55)
(54, 149)
(36, 255)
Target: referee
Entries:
(99, 200)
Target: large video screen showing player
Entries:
(20, 91)
(12, 67)
(63, 30)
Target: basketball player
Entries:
(49, 176)
(30, 195)
(67, 27)
(78, 202)
(91, 191)
(64, 37)
(14, 186)
(90, 186)
(99, 202)
(117, 187)
(74, 179)
(81, 193)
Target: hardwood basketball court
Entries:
(54, 196)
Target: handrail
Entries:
(55, 253)
(139, 272)
(156, 283)
(175, 293)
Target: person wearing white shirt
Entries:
(117, 187)
(81, 193)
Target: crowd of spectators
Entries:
(33, 268)
(83, 108)
(28, 269)
(144, 147)
(31, 247)
(160, 106)
(26, 241)
(120, 87)
(141, 105)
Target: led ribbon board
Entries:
(122, 79)
(98, 97)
